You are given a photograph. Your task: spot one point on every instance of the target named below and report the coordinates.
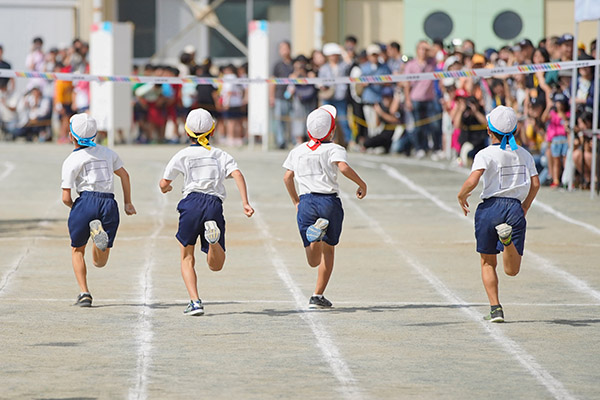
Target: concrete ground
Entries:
(406, 289)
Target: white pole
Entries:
(97, 11)
(573, 108)
(318, 44)
(595, 122)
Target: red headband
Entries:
(318, 141)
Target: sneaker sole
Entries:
(313, 306)
(501, 227)
(99, 236)
(195, 313)
(497, 320)
(315, 231)
(212, 233)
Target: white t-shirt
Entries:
(90, 169)
(507, 173)
(203, 170)
(315, 171)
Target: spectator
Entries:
(566, 47)
(63, 103)
(470, 120)
(359, 124)
(6, 84)
(282, 105)
(387, 115)
(582, 153)
(304, 99)
(557, 116)
(231, 100)
(33, 112)
(394, 58)
(317, 60)
(336, 94)
(420, 101)
(351, 43)
(371, 94)
(35, 58)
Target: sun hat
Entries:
(503, 121)
(83, 128)
(373, 49)
(332, 49)
(320, 124)
(199, 124)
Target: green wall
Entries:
(473, 19)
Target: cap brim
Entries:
(330, 109)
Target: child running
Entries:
(89, 170)
(314, 164)
(204, 168)
(510, 183)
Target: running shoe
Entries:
(496, 315)
(194, 308)
(316, 231)
(84, 300)
(98, 234)
(504, 233)
(319, 302)
(212, 233)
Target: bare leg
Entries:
(489, 277)
(77, 256)
(511, 260)
(188, 272)
(215, 257)
(556, 168)
(100, 258)
(314, 253)
(325, 268)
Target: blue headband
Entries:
(82, 141)
(506, 137)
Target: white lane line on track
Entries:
(145, 326)
(9, 167)
(332, 355)
(554, 386)
(6, 277)
(19, 261)
(541, 263)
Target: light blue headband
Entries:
(82, 141)
(506, 137)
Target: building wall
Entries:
(385, 20)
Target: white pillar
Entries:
(318, 24)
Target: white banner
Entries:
(587, 10)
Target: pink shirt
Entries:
(421, 90)
(555, 126)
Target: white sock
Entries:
(317, 295)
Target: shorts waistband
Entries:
(204, 195)
(97, 194)
(321, 194)
(506, 199)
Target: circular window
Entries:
(438, 25)
(508, 25)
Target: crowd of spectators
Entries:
(446, 119)
(442, 119)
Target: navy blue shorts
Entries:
(195, 209)
(316, 205)
(88, 207)
(495, 211)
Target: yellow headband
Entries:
(201, 138)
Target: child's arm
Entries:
(288, 179)
(165, 185)
(66, 198)
(241, 184)
(126, 183)
(349, 173)
(535, 186)
(467, 188)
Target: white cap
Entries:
(189, 49)
(199, 121)
(332, 49)
(502, 119)
(373, 49)
(319, 121)
(83, 125)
